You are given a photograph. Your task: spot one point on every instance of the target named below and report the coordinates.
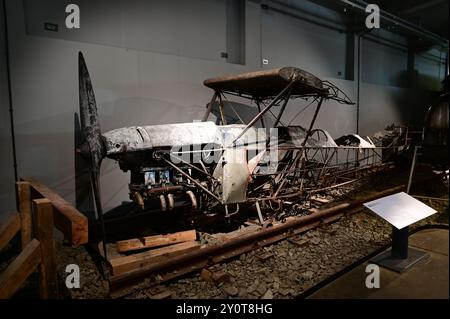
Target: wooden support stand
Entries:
(38, 253)
(158, 248)
(72, 223)
(155, 241)
(48, 280)
(23, 192)
(124, 264)
(9, 229)
(18, 271)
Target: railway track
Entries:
(208, 255)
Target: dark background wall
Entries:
(7, 196)
(148, 59)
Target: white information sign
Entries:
(400, 209)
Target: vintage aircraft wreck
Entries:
(237, 161)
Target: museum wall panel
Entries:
(383, 64)
(430, 69)
(169, 27)
(383, 105)
(314, 48)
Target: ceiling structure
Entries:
(423, 22)
(432, 15)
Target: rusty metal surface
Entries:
(268, 83)
(297, 135)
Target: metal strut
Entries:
(264, 111)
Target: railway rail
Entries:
(170, 268)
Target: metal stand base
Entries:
(390, 261)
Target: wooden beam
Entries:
(24, 207)
(9, 229)
(19, 270)
(71, 222)
(319, 200)
(139, 260)
(155, 241)
(48, 280)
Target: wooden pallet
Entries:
(136, 253)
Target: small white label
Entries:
(265, 61)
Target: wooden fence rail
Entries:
(68, 220)
(35, 220)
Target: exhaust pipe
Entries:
(171, 201)
(193, 200)
(139, 199)
(163, 203)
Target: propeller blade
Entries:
(92, 147)
(88, 106)
(95, 182)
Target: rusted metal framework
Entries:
(309, 160)
(221, 167)
(229, 167)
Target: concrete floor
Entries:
(427, 279)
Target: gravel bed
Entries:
(293, 269)
(289, 270)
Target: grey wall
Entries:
(7, 197)
(429, 70)
(389, 94)
(385, 105)
(170, 27)
(147, 61)
(287, 39)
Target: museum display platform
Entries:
(428, 279)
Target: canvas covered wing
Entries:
(268, 83)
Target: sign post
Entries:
(400, 210)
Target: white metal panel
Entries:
(400, 209)
(235, 176)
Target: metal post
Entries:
(311, 125)
(10, 98)
(411, 172)
(282, 108)
(258, 209)
(268, 107)
(401, 257)
(210, 105)
(400, 242)
(222, 114)
(259, 111)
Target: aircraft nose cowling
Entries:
(126, 139)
